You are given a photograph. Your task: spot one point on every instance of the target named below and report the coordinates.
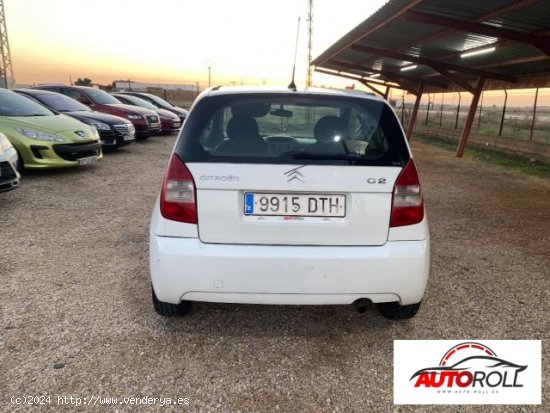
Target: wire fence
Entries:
(179, 94)
(512, 114)
(522, 115)
(178, 97)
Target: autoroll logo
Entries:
(467, 372)
(470, 365)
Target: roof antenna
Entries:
(292, 84)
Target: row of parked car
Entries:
(56, 126)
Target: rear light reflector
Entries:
(178, 193)
(407, 200)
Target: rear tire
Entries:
(394, 311)
(169, 309)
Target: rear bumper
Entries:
(187, 269)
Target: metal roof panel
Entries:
(398, 27)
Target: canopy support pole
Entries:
(414, 114)
(470, 118)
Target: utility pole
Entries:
(309, 74)
(6, 70)
(209, 64)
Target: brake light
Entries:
(407, 202)
(178, 194)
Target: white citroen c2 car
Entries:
(280, 196)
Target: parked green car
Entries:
(45, 139)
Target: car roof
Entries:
(46, 85)
(124, 95)
(234, 90)
(132, 92)
(35, 91)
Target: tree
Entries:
(83, 82)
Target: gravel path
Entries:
(77, 318)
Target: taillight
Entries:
(177, 195)
(407, 203)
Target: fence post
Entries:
(503, 112)
(480, 109)
(458, 110)
(534, 114)
(441, 111)
(428, 110)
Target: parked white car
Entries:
(9, 176)
(277, 196)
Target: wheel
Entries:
(394, 311)
(168, 309)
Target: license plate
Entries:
(128, 138)
(88, 160)
(304, 205)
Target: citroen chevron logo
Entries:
(295, 174)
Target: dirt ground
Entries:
(77, 318)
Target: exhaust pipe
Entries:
(361, 305)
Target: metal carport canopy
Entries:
(428, 46)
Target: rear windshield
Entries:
(289, 129)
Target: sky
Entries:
(171, 41)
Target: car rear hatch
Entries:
(291, 169)
(293, 204)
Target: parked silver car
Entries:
(9, 176)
